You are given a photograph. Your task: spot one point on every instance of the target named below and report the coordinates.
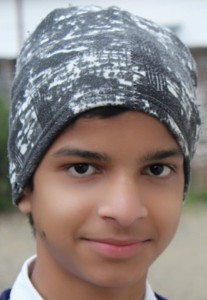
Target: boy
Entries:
(103, 128)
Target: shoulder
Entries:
(5, 295)
(160, 297)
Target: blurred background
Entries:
(180, 273)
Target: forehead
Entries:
(130, 126)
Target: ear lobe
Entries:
(25, 202)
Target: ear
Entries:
(25, 202)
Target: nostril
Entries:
(123, 216)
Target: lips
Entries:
(113, 248)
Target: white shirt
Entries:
(23, 288)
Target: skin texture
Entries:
(106, 202)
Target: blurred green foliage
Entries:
(5, 194)
(197, 196)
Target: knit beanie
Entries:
(80, 58)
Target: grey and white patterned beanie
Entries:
(80, 58)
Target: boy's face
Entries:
(107, 199)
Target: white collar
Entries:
(149, 294)
(23, 288)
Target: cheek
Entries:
(165, 205)
(166, 222)
(59, 209)
(166, 199)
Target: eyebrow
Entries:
(91, 155)
(162, 154)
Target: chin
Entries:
(115, 281)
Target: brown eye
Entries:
(158, 170)
(81, 170)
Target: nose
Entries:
(122, 203)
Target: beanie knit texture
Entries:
(81, 58)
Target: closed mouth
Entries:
(116, 248)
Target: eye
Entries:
(81, 170)
(158, 170)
